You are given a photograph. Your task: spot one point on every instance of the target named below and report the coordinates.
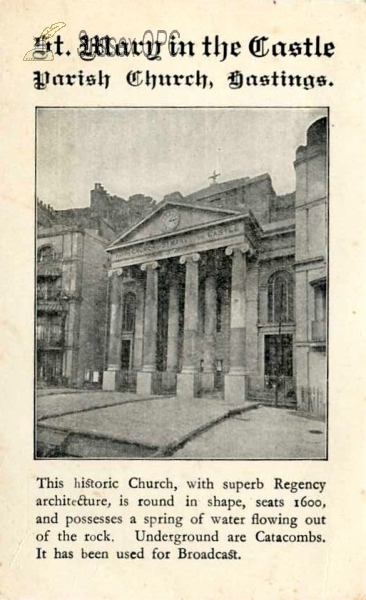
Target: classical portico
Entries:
(187, 265)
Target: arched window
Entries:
(129, 312)
(46, 254)
(280, 297)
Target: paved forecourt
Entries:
(157, 425)
(266, 433)
(75, 401)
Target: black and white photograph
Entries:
(181, 275)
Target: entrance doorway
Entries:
(278, 355)
(49, 368)
(128, 376)
(278, 369)
(126, 358)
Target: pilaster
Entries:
(110, 377)
(236, 380)
(145, 376)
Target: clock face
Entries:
(171, 220)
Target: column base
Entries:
(144, 383)
(111, 380)
(169, 382)
(207, 382)
(235, 389)
(187, 385)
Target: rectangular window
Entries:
(320, 303)
(126, 355)
(219, 365)
(318, 332)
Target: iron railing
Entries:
(50, 337)
(311, 400)
(50, 293)
(281, 391)
(276, 390)
(128, 381)
(164, 383)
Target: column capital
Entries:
(150, 265)
(189, 258)
(115, 272)
(244, 248)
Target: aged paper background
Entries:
(334, 571)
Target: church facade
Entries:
(224, 291)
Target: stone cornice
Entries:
(277, 253)
(314, 202)
(305, 261)
(227, 231)
(278, 228)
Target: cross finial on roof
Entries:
(214, 176)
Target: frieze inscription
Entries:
(188, 238)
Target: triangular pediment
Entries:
(173, 217)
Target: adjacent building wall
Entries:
(93, 310)
(82, 260)
(311, 268)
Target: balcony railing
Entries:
(318, 331)
(49, 294)
(49, 338)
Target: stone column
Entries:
(139, 327)
(145, 376)
(187, 381)
(173, 325)
(110, 377)
(169, 376)
(235, 380)
(208, 375)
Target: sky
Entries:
(160, 151)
